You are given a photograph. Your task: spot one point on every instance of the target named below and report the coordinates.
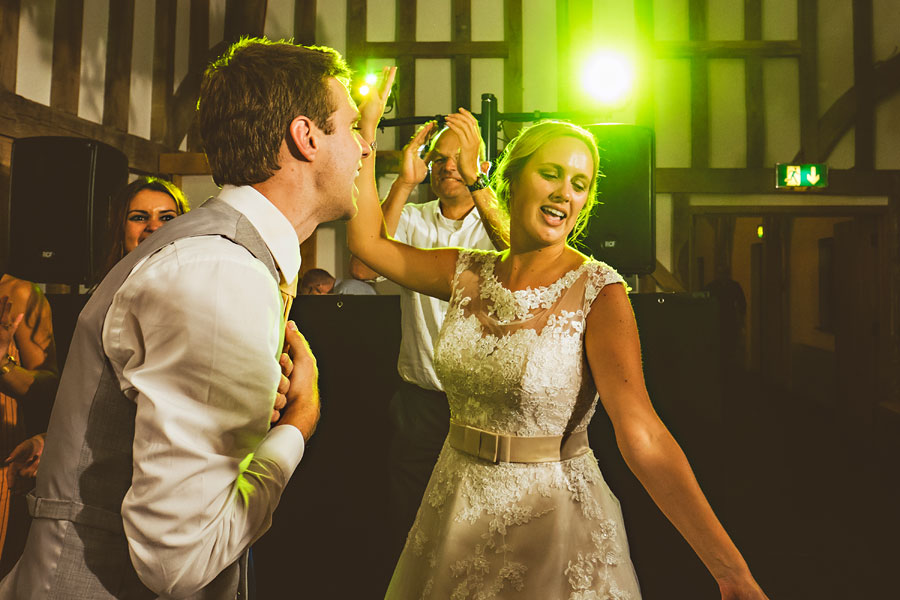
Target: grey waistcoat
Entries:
(77, 548)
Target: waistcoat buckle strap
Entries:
(66, 510)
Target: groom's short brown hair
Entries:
(250, 95)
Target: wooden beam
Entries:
(244, 17)
(512, 69)
(184, 163)
(754, 92)
(863, 59)
(66, 70)
(462, 63)
(9, 43)
(357, 13)
(406, 63)
(20, 117)
(413, 49)
(198, 56)
(808, 32)
(699, 88)
(184, 102)
(841, 182)
(117, 87)
(727, 49)
(841, 115)
(305, 22)
(163, 72)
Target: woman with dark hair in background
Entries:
(139, 209)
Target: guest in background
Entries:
(28, 380)
(139, 209)
(319, 282)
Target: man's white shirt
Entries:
(193, 336)
(424, 226)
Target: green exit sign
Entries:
(801, 176)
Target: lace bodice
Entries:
(512, 361)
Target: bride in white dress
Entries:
(516, 506)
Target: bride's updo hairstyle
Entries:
(523, 146)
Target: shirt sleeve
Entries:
(193, 335)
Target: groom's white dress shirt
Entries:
(193, 335)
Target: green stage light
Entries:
(371, 79)
(608, 76)
(363, 90)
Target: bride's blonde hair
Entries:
(523, 146)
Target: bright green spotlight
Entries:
(371, 79)
(608, 76)
(363, 90)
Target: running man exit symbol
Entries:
(801, 176)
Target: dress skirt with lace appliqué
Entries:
(512, 362)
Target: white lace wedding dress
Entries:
(513, 363)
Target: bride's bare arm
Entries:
(429, 271)
(613, 352)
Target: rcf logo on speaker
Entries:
(47, 253)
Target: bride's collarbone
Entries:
(515, 276)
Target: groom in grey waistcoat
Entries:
(161, 466)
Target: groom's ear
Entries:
(302, 138)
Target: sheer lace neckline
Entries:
(509, 305)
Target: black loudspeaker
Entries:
(60, 190)
(622, 228)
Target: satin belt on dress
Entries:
(497, 448)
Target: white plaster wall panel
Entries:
(387, 139)
(198, 188)
(670, 20)
(93, 60)
(331, 25)
(539, 77)
(835, 51)
(216, 22)
(433, 21)
(664, 230)
(887, 133)
(279, 20)
(433, 92)
(727, 114)
(672, 109)
(141, 100)
(779, 19)
(781, 93)
(182, 43)
(725, 19)
(487, 20)
(614, 22)
(842, 157)
(886, 16)
(381, 20)
(34, 63)
(326, 247)
(487, 77)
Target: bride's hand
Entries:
(372, 107)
